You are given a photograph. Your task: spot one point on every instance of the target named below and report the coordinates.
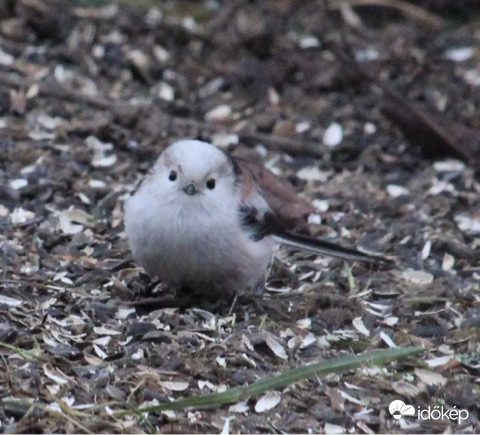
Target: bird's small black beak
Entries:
(190, 189)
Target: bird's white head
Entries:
(195, 170)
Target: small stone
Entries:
(369, 128)
(5, 58)
(165, 92)
(284, 128)
(395, 191)
(333, 135)
(18, 183)
(449, 166)
(309, 41)
(459, 54)
(220, 113)
(447, 262)
(417, 277)
(264, 121)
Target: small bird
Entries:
(207, 222)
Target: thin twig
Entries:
(35, 284)
(410, 10)
(22, 224)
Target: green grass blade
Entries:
(289, 377)
(23, 353)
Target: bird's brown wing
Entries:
(290, 210)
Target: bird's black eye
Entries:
(211, 183)
(172, 176)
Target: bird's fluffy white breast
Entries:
(193, 241)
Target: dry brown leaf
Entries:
(337, 401)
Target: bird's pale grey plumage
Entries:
(201, 222)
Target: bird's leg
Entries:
(177, 299)
(232, 305)
(151, 286)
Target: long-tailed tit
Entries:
(206, 221)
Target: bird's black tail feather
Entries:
(323, 247)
